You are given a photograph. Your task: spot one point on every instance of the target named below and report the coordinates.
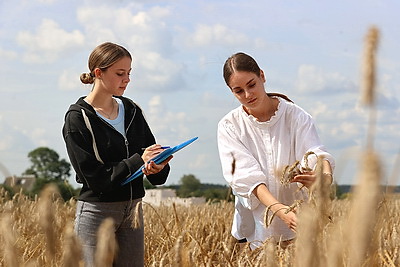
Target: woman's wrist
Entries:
(281, 212)
(276, 206)
(275, 209)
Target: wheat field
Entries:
(39, 233)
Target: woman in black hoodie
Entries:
(104, 134)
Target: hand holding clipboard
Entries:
(160, 158)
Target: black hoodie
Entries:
(121, 157)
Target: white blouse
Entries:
(260, 151)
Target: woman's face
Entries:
(248, 88)
(115, 78)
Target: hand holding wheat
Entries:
(306, 178)
(286, 213)
(297, 173)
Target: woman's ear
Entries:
(262, 76)
(97, 73)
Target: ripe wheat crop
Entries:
(199, 236)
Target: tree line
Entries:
(47, 167)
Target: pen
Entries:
(163, 147)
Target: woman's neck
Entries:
(265, 110)
(103, 104)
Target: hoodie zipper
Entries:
(126, 131)
(127, 150)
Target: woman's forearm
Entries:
(274, 206)
(266, 198)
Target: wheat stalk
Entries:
(106, 248)
(10, 250)
(364, 209)
(136, 216)
(290, 171)
(369, 80)
(368, 66)
(47, 220)
(72, 252)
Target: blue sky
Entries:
(310, 50)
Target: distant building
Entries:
(17, 182)
(158, 197)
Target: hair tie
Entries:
(91, 75)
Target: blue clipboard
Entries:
(160, 158)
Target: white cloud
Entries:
(38, 135)
(166, 123)
(200, 161)
(147, 35)
(15, 161)
(155, 106)
(69, 80)
(206, 35)
(319, 109)
(47, 1)
(7, 54)
(162, 72)
(14, 144)
(48, 42)
(6, 142)
(310, 79)
(6, 135)
(173, 124)
(349, 129)
(141, 29)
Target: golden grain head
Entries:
(369, 66)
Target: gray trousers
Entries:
(89, 216)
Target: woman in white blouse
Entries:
(256, 141)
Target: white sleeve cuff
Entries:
(250, 202)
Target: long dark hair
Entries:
(243, 62)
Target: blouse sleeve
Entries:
(307, 140)
(240, 169)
